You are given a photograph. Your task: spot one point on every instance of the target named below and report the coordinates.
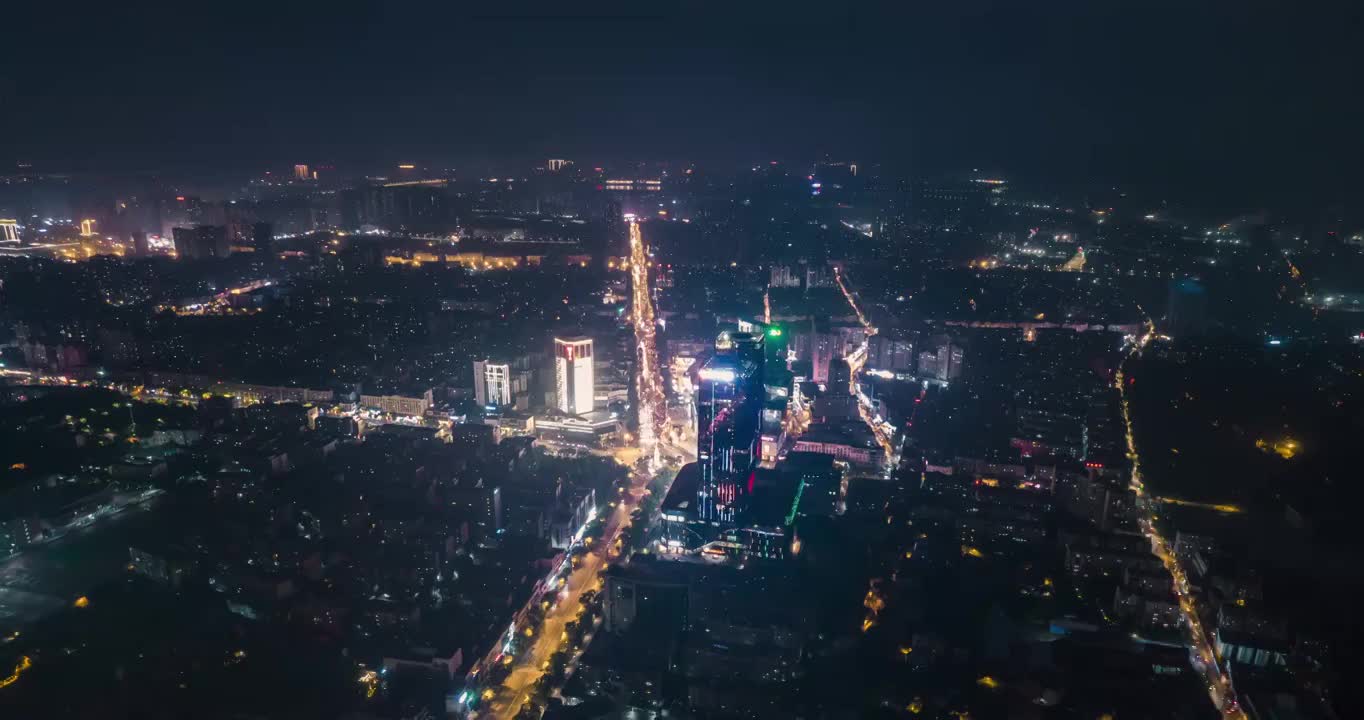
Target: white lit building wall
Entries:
(492, 383)
(573, 375)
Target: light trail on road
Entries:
(1225, 508)
(567, 606)
(652, 404)
(1076, 263)
(1219, 683)
(838, 277)
(856, 360)
(548, 637)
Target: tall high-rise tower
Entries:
(573, 381)
(492, 383)
(728, 405)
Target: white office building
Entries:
(492, 383)
(573, 381)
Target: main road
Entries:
(566, 606)
(648, 374)
(856, 360)
(567, 585)
(1204, 657)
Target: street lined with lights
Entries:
(648, 377)
(565, 587)
(1204, 656)
(856, 360)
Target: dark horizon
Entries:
(1223, 106)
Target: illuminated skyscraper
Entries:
(301, 172)
(492, 383)
(573, 381)
(727, 415)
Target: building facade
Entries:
(494, 383)
(727, 417)
(573, 378)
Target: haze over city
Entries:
(972, 360)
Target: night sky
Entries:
(1220, 103)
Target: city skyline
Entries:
(971, 360)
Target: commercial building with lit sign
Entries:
(573, 379)
(590, 430)
(398, 404)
